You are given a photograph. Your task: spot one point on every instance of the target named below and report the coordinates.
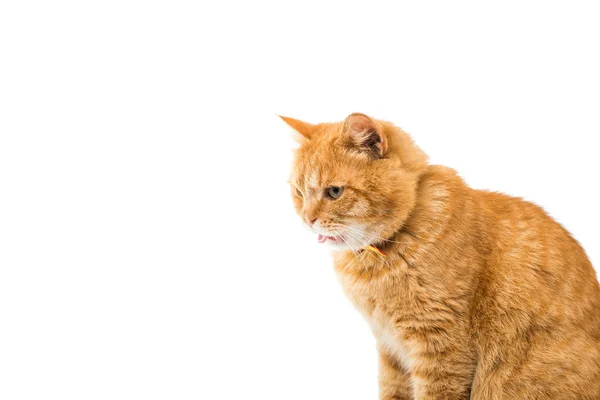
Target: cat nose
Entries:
(311, 215)
(311, 220)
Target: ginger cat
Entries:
(470, 294)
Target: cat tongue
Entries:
(321, 238)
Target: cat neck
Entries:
(429, 220)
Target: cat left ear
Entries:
(303, 128)
(365, 134)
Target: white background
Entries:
(148, 245)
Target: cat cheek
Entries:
(298, 203)
(359, 209)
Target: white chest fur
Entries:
(386, 331)
(389, 338)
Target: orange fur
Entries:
(479, 295)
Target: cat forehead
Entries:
(317, 167)
(315, 178)
(309, 178)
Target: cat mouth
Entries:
(333, 239)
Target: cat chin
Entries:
(337, 246)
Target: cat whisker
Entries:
(373, 236)
(348, 241)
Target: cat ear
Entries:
(365, 134)
(303, 128)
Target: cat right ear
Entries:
(365, 134)
(303, 128)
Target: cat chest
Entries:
(377, 305)
(390, 338)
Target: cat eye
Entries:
(335, 192)
(298, 192)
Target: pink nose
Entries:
(311, 221)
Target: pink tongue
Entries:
(321, 238)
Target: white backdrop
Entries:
(148, 245)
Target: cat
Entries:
(470, 294)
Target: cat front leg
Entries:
(394, 382)
(443, 376)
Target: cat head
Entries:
(354, 183)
